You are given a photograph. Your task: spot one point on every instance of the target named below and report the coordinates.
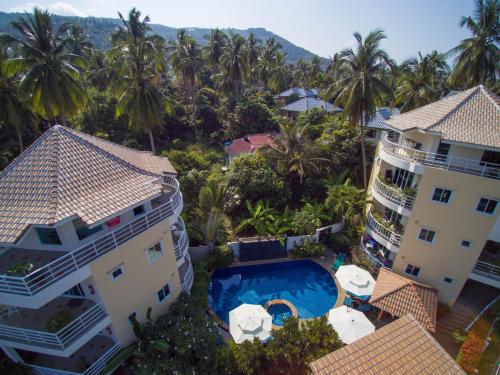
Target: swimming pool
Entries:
(280, 312)
(304, 283)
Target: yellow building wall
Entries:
(136, 289)
(453, 223)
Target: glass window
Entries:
(442, 151)
(412, 270)
(48, 236)
(426, 235)
(448, 280)
(487, 206)
(83, 231)
(139, 210)
(154, 252)
(465, 243)
(116, 272)
(441, 195)
(163, 293)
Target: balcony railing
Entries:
(394, 195)
(60, 339)
(76, 259)
(387, 234)
(188, 277)
(181, 244)
(372, 258)
(452, 163)
(487, 269)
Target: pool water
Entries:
(304, 283)
(280, 312)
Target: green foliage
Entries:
(261, 217)
(192, 181)
(308, 249)
(22, 268)
(100, 120)
(248, 357)
(345, 201)
(193, 158)
(221, 256)
(59, 320)
(309, 218)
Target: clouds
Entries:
(61, 8)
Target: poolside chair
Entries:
(348, 301)
(339, 260)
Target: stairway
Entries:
(459, 317)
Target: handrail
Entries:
(394, 195)
(389, 235)
(188, 278)
(481, 313)
(453, 163)
(59, 339)
(373, 259)
(45, 276)
(181, 244)
(487, 269)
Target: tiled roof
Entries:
(304, 104)
(402, 347)
(301, 92)
(471, 116)
(238, 146)
(66, 173)
(399, 296)
(259, 140)
(381, 115)
(249, 143)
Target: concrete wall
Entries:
(136, 289)
(197, 253)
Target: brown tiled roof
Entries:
(239, 146)
(249, 144)
(259, 140)
(471, 116)
(66, 173)
(399, 296)
(401, 347)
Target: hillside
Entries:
(99, 30)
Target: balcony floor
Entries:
(79, 361)
(37, 319)
(38, 258)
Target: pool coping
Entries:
(290, 305)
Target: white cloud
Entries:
(61, 8)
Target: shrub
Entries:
(184, 161)
(22, 268)
(222, 256)
(308, 249)
(470, 353)
(59, 320)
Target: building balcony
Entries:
(375, 258)
(186, 274)
(415, 160)
(28, 328)
(392, 197)
(69, 269)
(90, 359)
(486, 273)
(180, 239)
(382, 234)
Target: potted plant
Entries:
(59, 320)
(20, 269)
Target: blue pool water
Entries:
(307, 285)
(280, 312)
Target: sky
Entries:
(320, 26)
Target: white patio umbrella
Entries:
(350, 324)
(355, 280)
(249, 321)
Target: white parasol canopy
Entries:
(355, 280)
(350, 324)
(249, 321)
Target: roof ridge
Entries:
(491, 96)
(421, 303)
(406, 280)
(54, 172)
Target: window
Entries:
(403, 178)
(370, 133)
(448, 280)
(116, 272)
(139, 210)
(426, 235)
(77, 290)
(163, 293)
(412, 270)
(442, 151)
(486, 206)
(465, 243)
(154, 253)
(48, 236)
(441, 195)
(83, 231)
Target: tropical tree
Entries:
(266, 59)
(345, 201)
(50, 83)
(361, 87)
(210, 211)
(233, 62)
(260, 220)
(252, 50)
(477, 58)
(213, 50)
(279, 73)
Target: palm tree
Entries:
(136, 55)
(261, 218)
(252, 51)
(266, 58)
(51, 86)
(216, 42)
(361, 86)
(421, 80)
(14, 112)
(478, 57)
(209, 212)
(345, 201)
(279, 73)
(233, 62)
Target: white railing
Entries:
(76, 259)
(373, 259)
(181, 244)
(188, 278)
(487, 269)
(387, 234)
(394, 195)
(453, 163)
(94, 369)
(60, 339)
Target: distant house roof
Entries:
(399, 348)
(248, 144)
(399, 296)
(382, 114)
(304, 104)
(471, 116)
(66, 173)
(301, 92)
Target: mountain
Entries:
(99, 30)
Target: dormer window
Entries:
(48, 236)
(83, 231)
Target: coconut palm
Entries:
(279, 73)
(233, 62)
(252, 50)
(50, 84)
(210, 213)
(260, 220)
(477, 58)
(266, 59)
(187, 61)
(361, 87)
(345, 201)
(213, 50)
